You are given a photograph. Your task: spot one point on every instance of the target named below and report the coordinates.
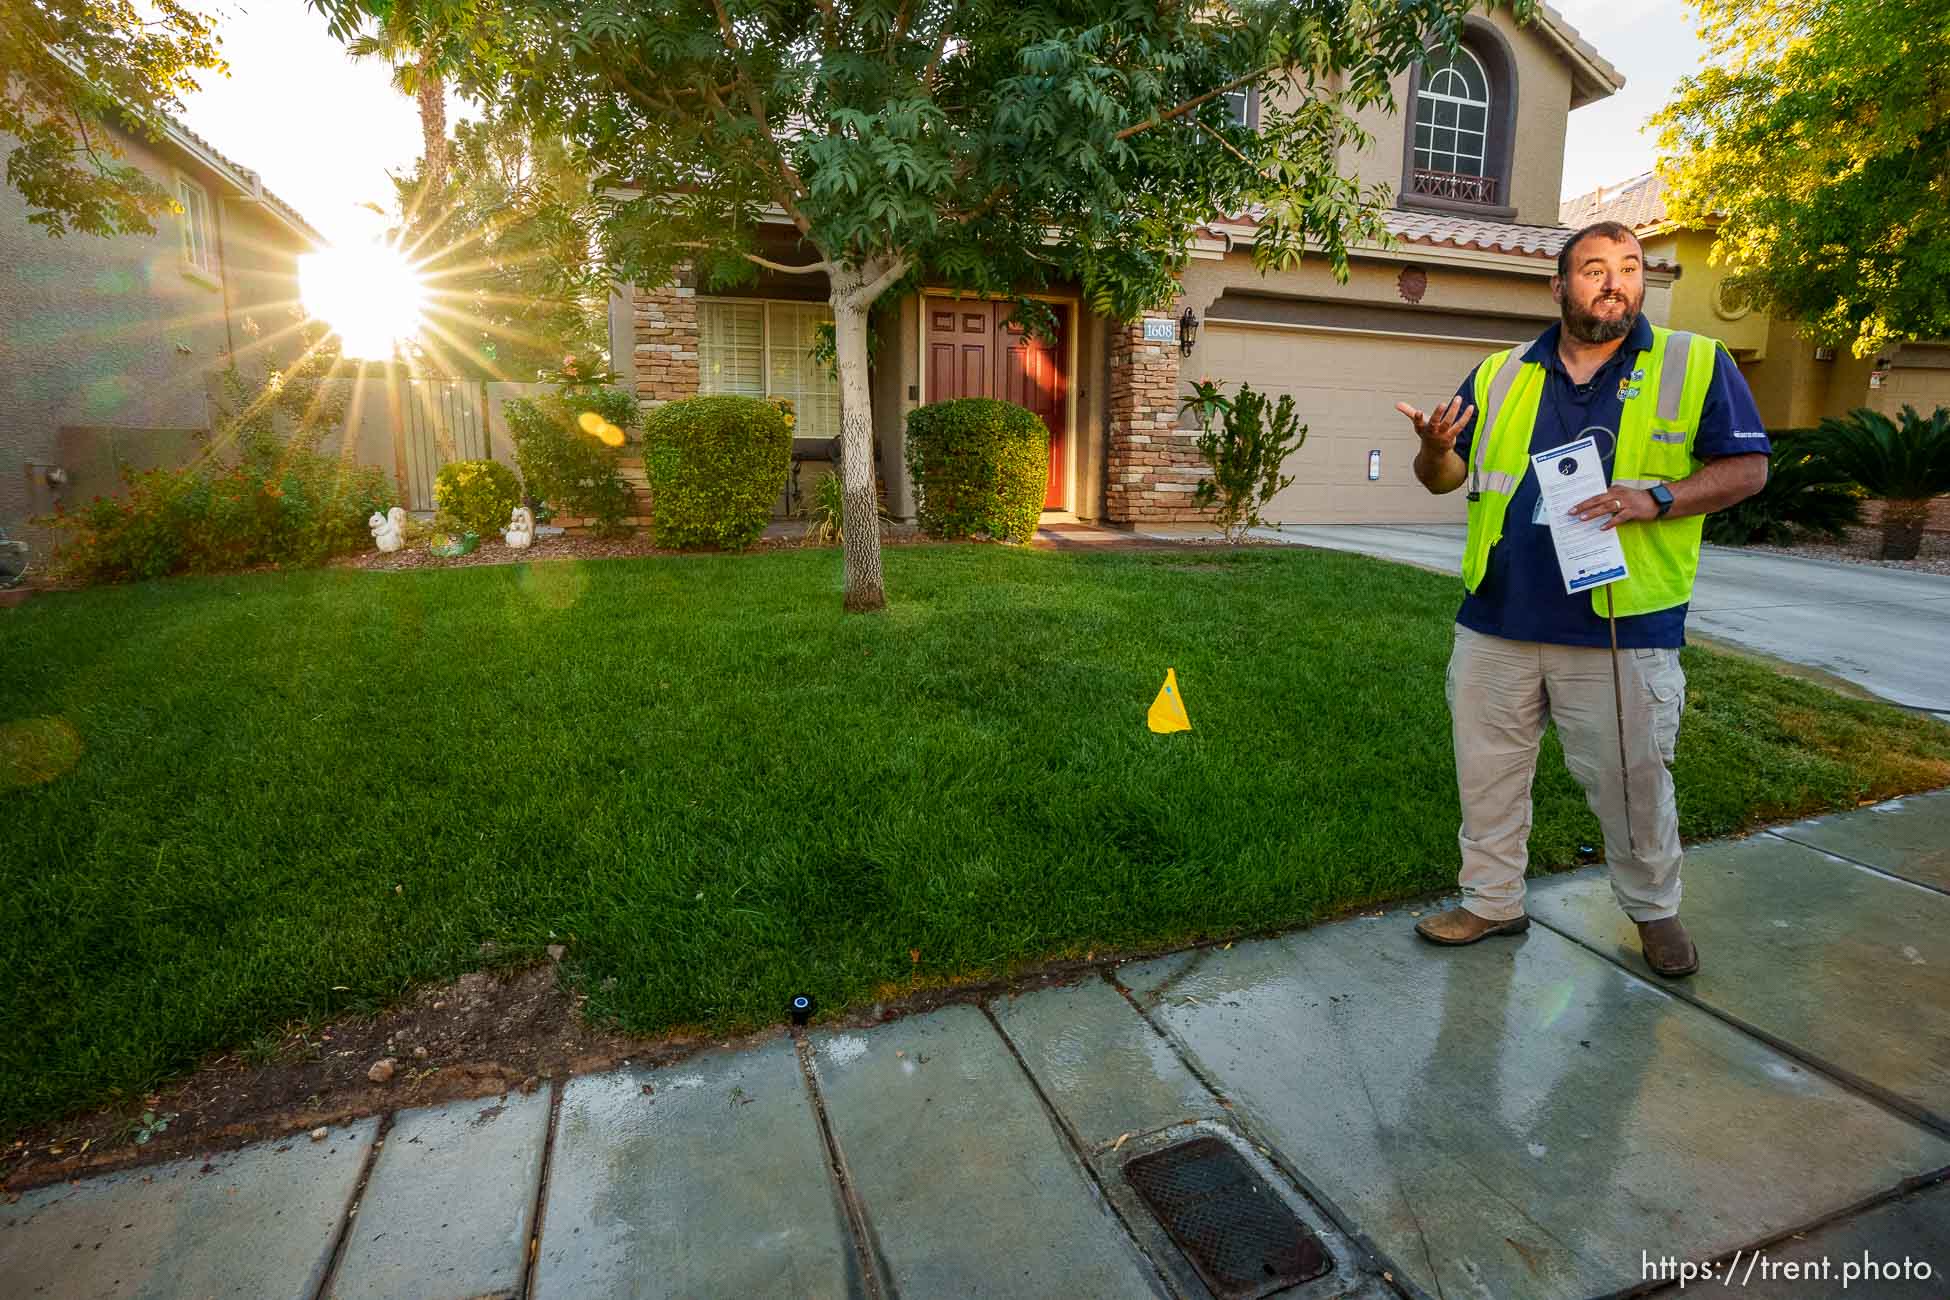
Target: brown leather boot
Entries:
(1459, 925)
(1668, 950)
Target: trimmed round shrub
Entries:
(568, 447)
(475, 496)
(716, 466)
(982, 466)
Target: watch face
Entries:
(1663, 495)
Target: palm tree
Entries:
(1905, 464)
(422, 40)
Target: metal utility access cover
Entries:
(1238, 1233)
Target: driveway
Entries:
(1886, 630)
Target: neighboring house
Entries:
(110, 343)
(1476, 157)
(1795, 382)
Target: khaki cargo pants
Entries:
(1501, 695)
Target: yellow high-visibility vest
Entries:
(1665, 391)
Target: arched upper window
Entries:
(1459, 149)
(1452, 114)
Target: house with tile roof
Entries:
(110, 344)
(1796, 382)
(1474, 155)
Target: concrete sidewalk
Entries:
(1885, 630)
(1530, 1117)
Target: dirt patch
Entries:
(481, 1035)
(484, 1035)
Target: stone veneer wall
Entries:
(1152, 467)
(664, 342)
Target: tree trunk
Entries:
(1902, 528)
(854, 289)
(433, 126)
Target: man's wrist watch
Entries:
(1662, 497)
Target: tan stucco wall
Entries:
(896, 372)
(1537, 157)
(1793, 390)
(1345, 384)
(1694, 293)
(1373, 280)
(112, 332)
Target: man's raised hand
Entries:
(1438, 429)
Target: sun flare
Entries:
(369, 294)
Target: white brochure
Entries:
(1588, 554)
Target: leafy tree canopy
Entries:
(1819, 138)
(71, 68)
(991, 145)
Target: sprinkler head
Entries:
(802, 1009)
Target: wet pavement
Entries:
(1534, 1116)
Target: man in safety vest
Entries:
(1676, 427)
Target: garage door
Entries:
(1921, 379)
(1345, 387)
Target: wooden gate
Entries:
(436, 421)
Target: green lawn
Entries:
(723, 792)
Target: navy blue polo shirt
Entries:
(1522, 595)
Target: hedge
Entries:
(716, 466)
(982, 467)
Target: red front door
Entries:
(974, 351)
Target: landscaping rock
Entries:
(382, 1071)
(318, 1134)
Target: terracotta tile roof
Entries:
(1443, 230)
(1440, 230)
(1639, 202)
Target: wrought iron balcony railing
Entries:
(1455, 185)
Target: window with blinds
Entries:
(764, 349)
(199, 241)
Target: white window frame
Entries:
(206, 268)
(1427, 92)
(1242, 107)
(765, 333)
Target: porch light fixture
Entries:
(1187, 333)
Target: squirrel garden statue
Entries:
(520, 532)
(389, 529)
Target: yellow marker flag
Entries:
(1168, 710)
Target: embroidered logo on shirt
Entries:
(1762, 434)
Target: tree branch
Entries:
(783, 269)
(895, 270)
(940, 46)
(756, 260)
(1191, 104)
(994, 197)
